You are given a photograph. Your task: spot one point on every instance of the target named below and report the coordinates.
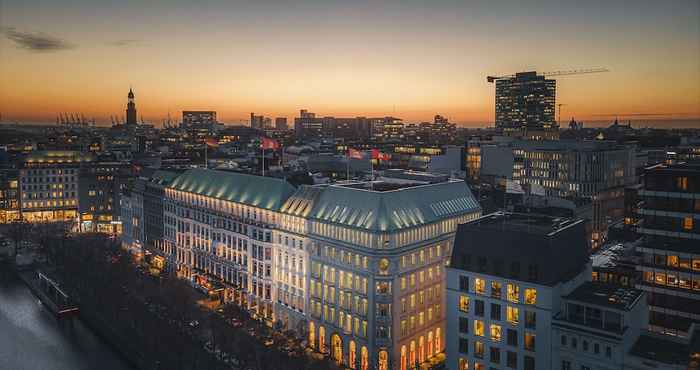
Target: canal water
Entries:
(32, 339)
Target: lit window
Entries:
(479, 328)
(688, 223)
(479, 349)
(529, 341)
(495, 289)
(530, 296)
(512, 315)
(513, 293)
(464, 303)
(479, 286)
(496, 333)
(463, 364)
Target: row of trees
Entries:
(150, 317)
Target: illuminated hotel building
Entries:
(49, 185)
(358, 270)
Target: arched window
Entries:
(421, 350)
(321, 339)
(437, 340)
(337, 348)
(430, 344)
(403, 358)
(312, 334)
(351, 355)
(412, 354)
(364, 358)
(383, 360)
(463, 364)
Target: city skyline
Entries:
(404, 59)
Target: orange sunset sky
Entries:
(410, 59)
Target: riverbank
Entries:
(93, 321)
(32, 338)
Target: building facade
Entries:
(100, 184)
(48, 183)
(504, 288)
(526, 302)
(669, 224)
(525, 102)
(357, 270)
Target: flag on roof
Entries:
(355, 154)
(376, 154)
(513, 187)
(268, 143)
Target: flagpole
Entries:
(263, 159)
(206, 155)
(348, 167)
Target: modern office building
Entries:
(525, 102)
(100, 184)
(505, 280)
(48, 182)
(356, 268)
(199, 124)
(592, 172)
(257, 122)
(519, 297)
(670, 252)
(198, 118)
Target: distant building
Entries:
(131, 110)
(385, 129)
(281, 123)
(257, 122)
(525, 102)
(100, 184)
(199, 124)
(198, 118)
(48, 183)
(670, 255)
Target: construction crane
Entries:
(553, 74)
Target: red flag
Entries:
(355, 154)
(376, 154)
(211, 141)
(268, 143)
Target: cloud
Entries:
(38, 42)
(123, 43)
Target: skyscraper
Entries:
(525, 102)
(131, 109)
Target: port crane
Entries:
(553, 74)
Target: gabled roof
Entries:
(258, 191)
(382, 211)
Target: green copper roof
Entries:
(264, 192)
(382, 211)
(161, 177)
